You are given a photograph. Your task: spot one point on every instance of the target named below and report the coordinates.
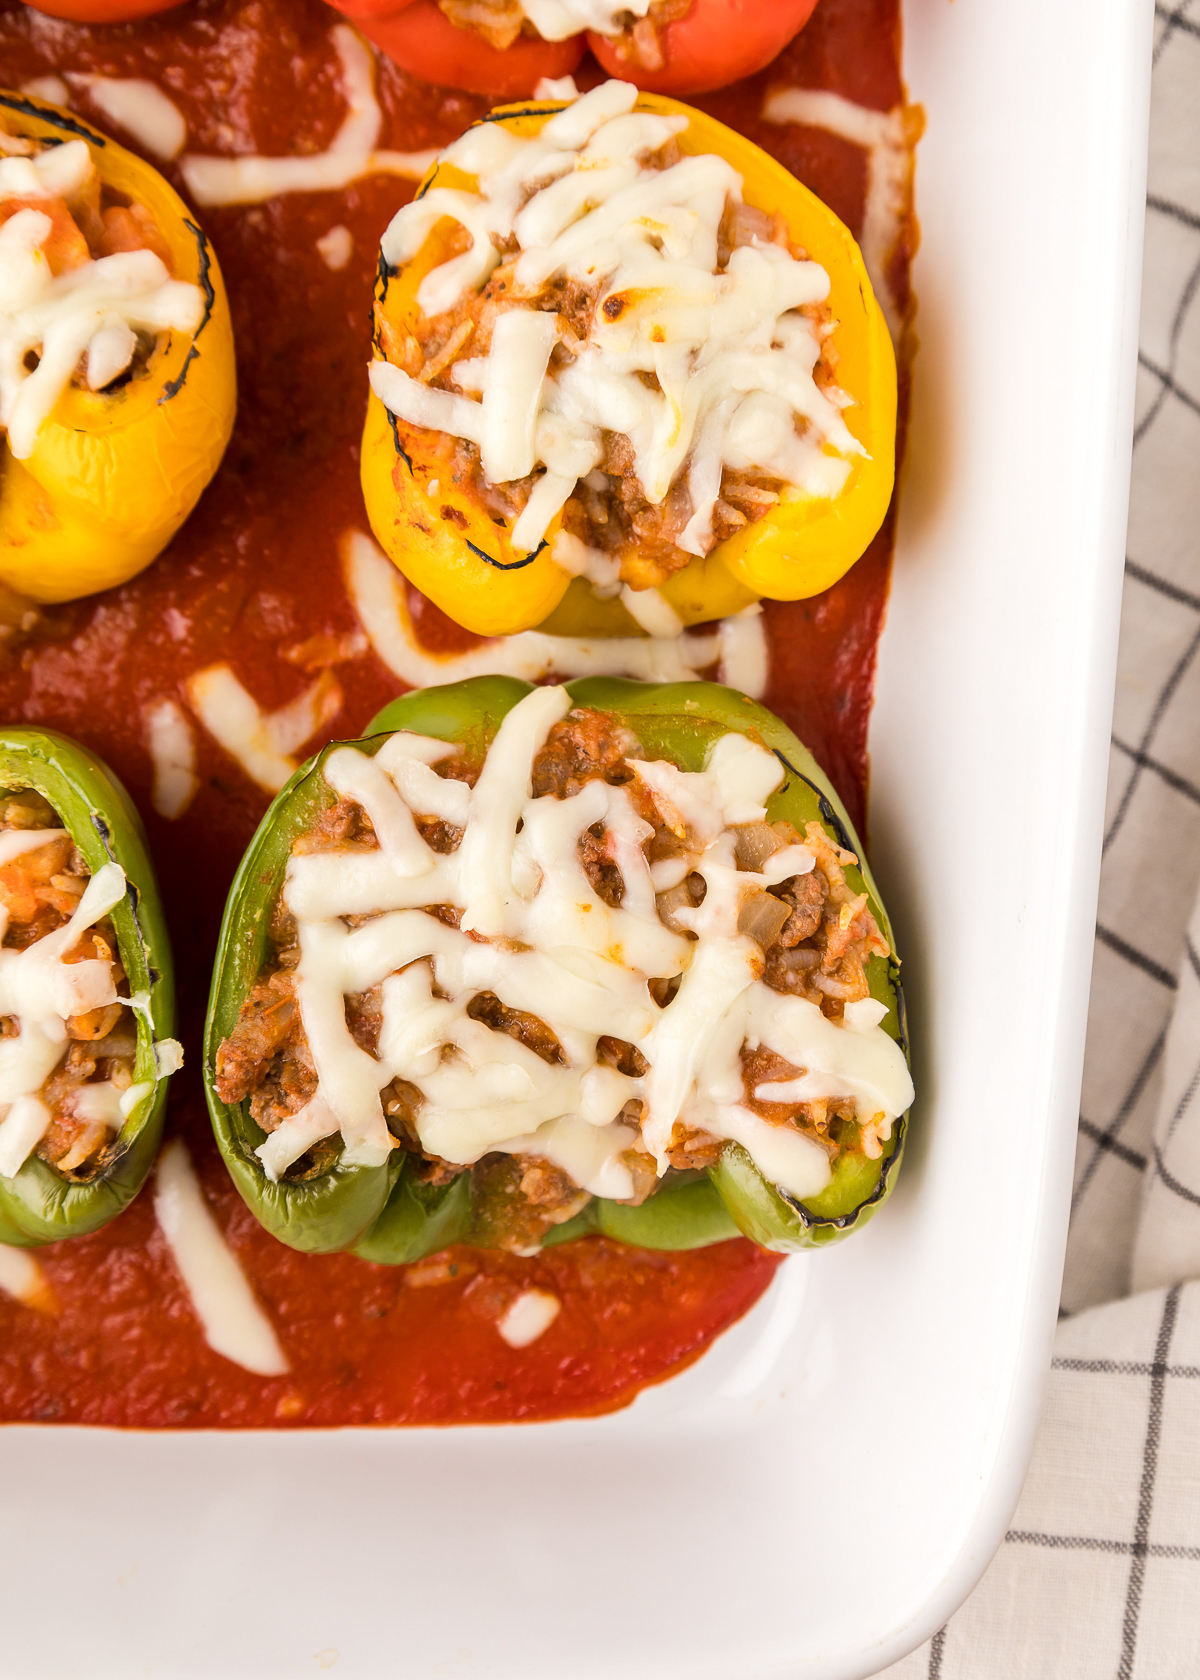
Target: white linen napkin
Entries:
(1099, 1575)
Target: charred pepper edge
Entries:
(504, 565)
(28, 107)
(829, 815)
(847, 1221)
(204, 280)
(676, 702)
(96, 810)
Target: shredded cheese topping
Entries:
(40, 989)
(172, 747)
(85, 317)
(336, 247)
(699, 369)
(529, 1316)
(534, 932)
(557, 20)
(50, 88)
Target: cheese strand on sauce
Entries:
(233, 1322)
(350, 156)
(739, 647)
(557, 20)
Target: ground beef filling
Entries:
(40, 891)
(822, 935)
(608, 510)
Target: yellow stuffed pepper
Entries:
(621, 352)
(117, 384)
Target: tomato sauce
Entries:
(252, 579)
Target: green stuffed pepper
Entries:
(86, 993)
(524, 964)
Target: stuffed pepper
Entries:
(525, 963)
(617, 343)
(87, 1003)
(504, 47)
(117, 390)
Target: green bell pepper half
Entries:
(380, 1212)
(40, 1204)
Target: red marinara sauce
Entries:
(254, 578)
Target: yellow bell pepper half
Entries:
(454, 551)
(114, 474)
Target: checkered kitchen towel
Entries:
(1099, 1575)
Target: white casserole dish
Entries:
(817, 1495)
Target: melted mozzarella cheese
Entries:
(530, 1316)
(739, 647)
(885, 137)
(556, 20)
(535, 934)
(854, 1061)
(15, 842)
(89, 315)
(263, 743)
(141, 108)
(336, 247)
(233, 1322)
(172, 746)
(351, 154)
(41, 989)
(733, 359)
(23, 1279)
(50, 88)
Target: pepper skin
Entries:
(421, 39)
(715, 43)
(102, 11)
(40, 1204)
(115, 474)
(456, 554)
(379, 1212)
